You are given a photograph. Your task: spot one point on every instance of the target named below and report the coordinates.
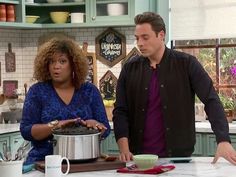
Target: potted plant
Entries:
(229, 106)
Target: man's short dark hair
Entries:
(154, 19)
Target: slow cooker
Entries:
(77, 143)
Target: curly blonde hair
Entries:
(78, 60)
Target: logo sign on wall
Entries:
(132, 54)
(107, 86)
(110, 47)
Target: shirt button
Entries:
(165, 107)
(167, 129)
(140, 131)
(143, 110)
(162, 85)
(145, 88)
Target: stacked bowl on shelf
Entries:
(59, 17)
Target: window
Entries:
(218, 57)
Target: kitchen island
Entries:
(198, 167)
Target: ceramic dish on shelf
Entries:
(31, 18)
(115, 9)
(77, 17)
(59, 17)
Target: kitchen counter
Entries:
(201, 127)
(198, 167)
(9, 128)
(206, 127)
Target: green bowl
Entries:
(145, 161)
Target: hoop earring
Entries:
(73, 74)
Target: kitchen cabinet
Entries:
(109, 145)
(14, 140)
(206, 144)
(96, 13)
(4, 140)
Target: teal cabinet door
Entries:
(4, 141)
(199, 146)
(109, 145)
(16, 141)
(211, 144)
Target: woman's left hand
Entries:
(91, 123)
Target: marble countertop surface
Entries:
(198, 167)
(9, 128)
(204, 127)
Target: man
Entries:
(154, 109)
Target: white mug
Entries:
(53, 165)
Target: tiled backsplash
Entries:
(25, 44)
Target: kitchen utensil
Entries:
(11, 168)
(10, 60)
(59, 17)
(2, 98)
(4, 150)
(115, 9)
(2, 157)
(9, 155)
(77, 17)
(31, 18)
(53, 165)
(23, 150)
(25, 87)
(145, 161)
(77, 143)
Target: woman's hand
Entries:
(91, 123)
(67, 123)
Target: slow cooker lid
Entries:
(76, 130)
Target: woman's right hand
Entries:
(67, 123)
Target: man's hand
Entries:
(225, 150)
(125, 154)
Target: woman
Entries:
(61, 97)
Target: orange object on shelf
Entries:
(10, 13)
(3, 14)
